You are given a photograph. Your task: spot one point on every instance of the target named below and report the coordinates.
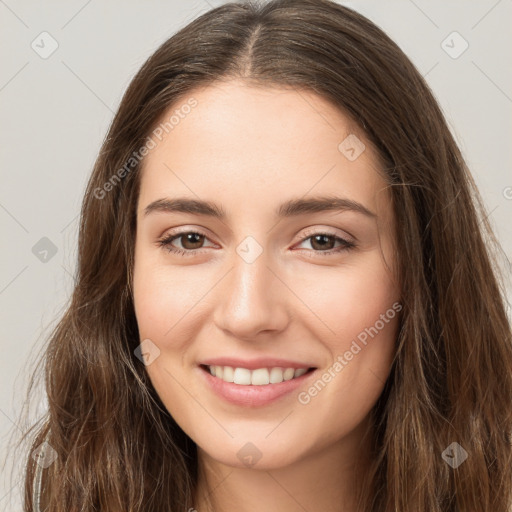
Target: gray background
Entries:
(55, 111)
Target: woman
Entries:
(286, 295)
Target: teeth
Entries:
(300, 371)
(259, 377)
(228, 374)
(242, 376)
(276, 375)
(288, 374)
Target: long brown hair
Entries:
(118, 449)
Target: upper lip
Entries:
(254, 364)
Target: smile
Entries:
(253, 388)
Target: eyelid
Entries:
(184, 230)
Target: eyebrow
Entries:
(291, 208)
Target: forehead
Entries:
(249, 145)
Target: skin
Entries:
(249, 150)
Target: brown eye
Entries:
(191, 240)
(323, 242)
(186, 243)
(326, 244)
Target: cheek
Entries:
(154, 305)
(161, 310)
(162, 298)
(349, 299)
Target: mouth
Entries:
(257, 387)
(265, 376)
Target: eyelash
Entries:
(165, 243)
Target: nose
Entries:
(252, 300)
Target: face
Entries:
(246, 272)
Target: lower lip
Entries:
(250, 395)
